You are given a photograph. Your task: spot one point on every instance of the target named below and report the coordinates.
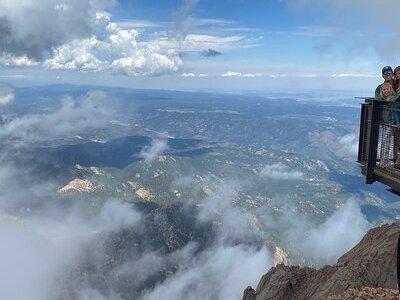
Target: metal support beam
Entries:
(361, 141)
(372, 144)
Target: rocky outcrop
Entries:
(77, 185)
(142, 192)
(372, 263)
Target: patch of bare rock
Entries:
(368, 293)
(77, 185)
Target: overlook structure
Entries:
(379, 143)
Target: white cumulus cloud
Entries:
(11, 60)
(31, 28)
(117, 51)
(77, 35)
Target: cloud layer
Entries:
(218, 272)
(82, 36)
(34, 269)
(32, 28)
(117, 51)
(77, 35)
(30, 258)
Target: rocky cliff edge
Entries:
(368, 271)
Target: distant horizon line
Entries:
(192, 90)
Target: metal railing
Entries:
(379, 143)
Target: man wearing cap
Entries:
(387, 74)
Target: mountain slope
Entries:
(372, 263)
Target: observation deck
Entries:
(379, 142)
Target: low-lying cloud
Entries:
(36, 251)
(34, 269)
(74, 116)
(7, 94)
(220, 272)
(42, 239)
(348, 146)
(157, 147)
(345, 147)
(322, 243)
(280, 171)
(333, 238)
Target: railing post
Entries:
(372, 144)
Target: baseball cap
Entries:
(387, 70)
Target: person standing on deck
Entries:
(386, 94)
(388, 76)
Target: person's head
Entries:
(386, 90)
(387, 74)
(397, 73)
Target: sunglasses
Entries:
(388, 73)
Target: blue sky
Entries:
(277, 37)
(256, 45)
